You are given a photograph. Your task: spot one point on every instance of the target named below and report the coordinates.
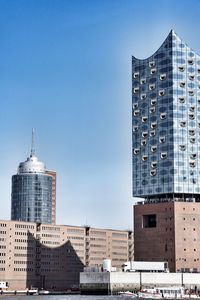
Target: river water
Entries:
(64, 297)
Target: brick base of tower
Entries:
(170, 232)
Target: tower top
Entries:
(33, 143)
(32, 164)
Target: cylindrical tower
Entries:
(32, 192)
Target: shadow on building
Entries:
(52, 268)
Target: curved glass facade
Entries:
(32, 198)
(166, 121)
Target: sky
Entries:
(65, 69)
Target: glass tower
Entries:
(32, 192)
(166, 123)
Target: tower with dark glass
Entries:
(166, 154)
(32, 192)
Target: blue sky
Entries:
(65, 69)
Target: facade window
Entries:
(149, 221)
(136, 74)
(143, 81)
(143, 142)
(135, 105)
(153, 71)
(153, 125)
(136, 151)
(191, 77)
(162, 139)
(162, 76)
(191, 93)
(152, 133)
(152, 64)
(144, 157)
(152, 87)
(154, 164)
(135, 128)
(136, 112)
(153, 101)
(144, 134)
(143, 96)
(190, 61)
(183, 123)
(192, 164)
(163, 116)
(163, 155)
(191, 116)
(153, 149)
(153, 172)
(136, 90)
(181, 99)
(191, 132)
(181, 68)
(144, 119)
(161, 92)
(182, 84)
(152, 110)
(192, 108)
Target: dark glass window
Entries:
(149, 221)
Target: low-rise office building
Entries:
(52, 256)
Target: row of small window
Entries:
(183, 67)
(161, 92)
(2, 261)
(25, 226)
(154, 163)
(182, 100)
(144, 142)
(182, 84)
(151, 88)
(151, 133)
(153, 102)
(21, 233)
(21, 262)
(143, 80)
(136, 113)
(153, 69)
(163, 155)
(153, 126)
(22, 269)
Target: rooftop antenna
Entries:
(33, 143)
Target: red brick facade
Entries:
(170, 232)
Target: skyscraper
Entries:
(32, 191)
(166, 122)
(53, 175)
(166, 159)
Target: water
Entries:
(64, 297)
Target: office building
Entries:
(166, 144)
(51, 256)
(32, 191)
